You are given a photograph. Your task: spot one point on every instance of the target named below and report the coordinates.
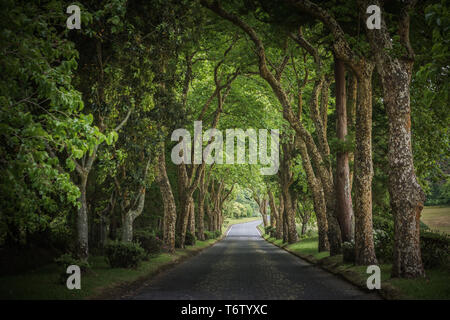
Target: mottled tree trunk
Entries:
(304, 225)
(364, 246)
(82, 220)
(170, 211)
(406, 195)
(201, 216)
(184, 220)
(343, 195)
(289, 210)
(130, 216)
(318, 198)
(191, 226)
(262, 210)
(285, 226)
(290, 232)
(273, 210)
(280, 222)
(127, 227)
(351, 113)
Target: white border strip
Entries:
(231, 227)
(257, 229)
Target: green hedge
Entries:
(151, 243)
(124, 254)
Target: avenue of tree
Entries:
(87, 117)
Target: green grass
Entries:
(436, 284)
(43, 282)
(437, 218)
(309, 247)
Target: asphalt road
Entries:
(245, 266)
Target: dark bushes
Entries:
(190, 239)
(124, 254)
(434, 246)
(269, 230)
(212, 234)
(66, 260)
(384, 244)
(435, 249)
(348, 252)
(151, 243)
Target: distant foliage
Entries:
(124, 254)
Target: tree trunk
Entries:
(280, 222)
(184, 218)
(82, 220)
(343, 195)
(304, 225)
(289, 210)
(285, 226)
(351, 112)
(364, 246)
(130, 216)
(170, 213)
(406, 195)
(262, 210)
(318, 198)
(273, 210)
(201, 216)
(191, 226)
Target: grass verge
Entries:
(436, 284)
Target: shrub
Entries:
(190, 239)
(151, 243)
(124, 254)
(383, 223)
(435, 249)
(67, 260)
(384, 244)
(212, 234)
(209, 235)
(348, 252)
(269, 230)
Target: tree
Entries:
(406, 195)
(362, 67)
(41, 110)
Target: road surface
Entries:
(244, 266)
